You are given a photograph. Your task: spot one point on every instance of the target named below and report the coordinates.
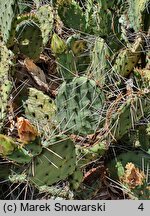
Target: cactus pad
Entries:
(5, 83)
(55, 163)
(29, 37)
(40, 109)
(137, 12)
(100, 57)
(128, 58)
(46, 20)
(8, 20)
(79, 104)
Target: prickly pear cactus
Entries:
(129, 113)
(101, 21)
(5, 83)
(128, 58)
(20, 156)
(8, 20)
(46, 20)
(29, 38)
(56, 162)
(144, 136)
(40, 109)
(79, 48)
(137, 12)
(58, 45)
(79, 105)
(72, 15)
(24, 153)
(65, 59)
(76, 178)
(100, 61)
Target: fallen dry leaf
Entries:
(36, 73)
(26, 131)
(133, 176)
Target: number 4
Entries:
(141, 207)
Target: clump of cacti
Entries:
(100, 97)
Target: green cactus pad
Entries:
(79, 103)
(46, 20)
(128, 58)
(4, 173)
(75, 179)
(34, 148)
(20, 156)
(66, 65)
(56, 162)
(29, 37)
(136, 13)
(8, 20)
(144, 136)
(72, 15)
(100, 60)
(79, 48)
(101, 21)
(40, 109)
(99, 17)
(5, 83)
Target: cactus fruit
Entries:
(46, 20)
(55, 163)
(8, 17)
(58, 46)
(40, 110)
(29, 38)
(7, 145)
(79, 104)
